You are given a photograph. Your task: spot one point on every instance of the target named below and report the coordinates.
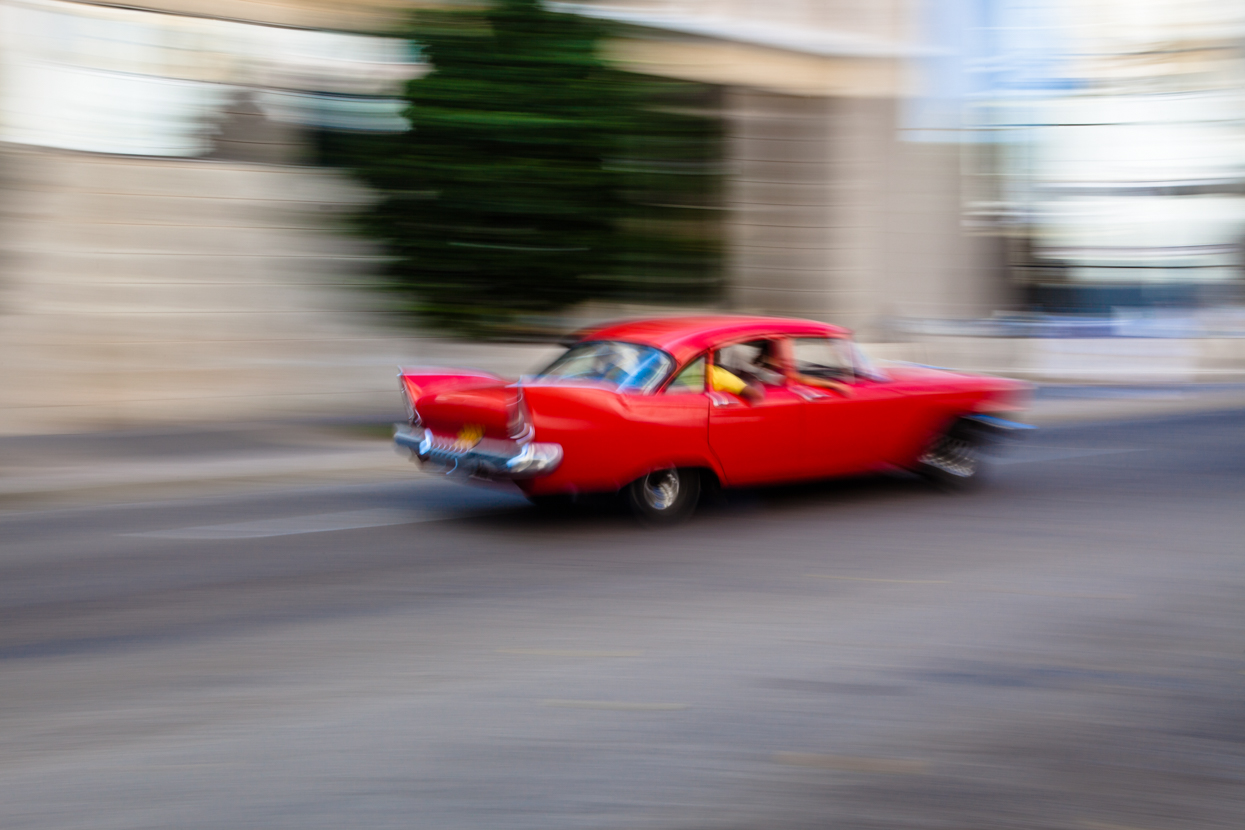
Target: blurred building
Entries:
(165, 252)
(950, 159)
(837, 208)
(181, 81)
(163, 256)
(1126, 173)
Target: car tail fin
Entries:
(418, 382)
(410, 393)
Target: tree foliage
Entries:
(535, 175)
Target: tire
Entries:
(955, 461)
(664, 497)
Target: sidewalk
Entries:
(171, 463)
(1055, 404)
(187, 462)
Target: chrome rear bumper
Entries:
(489, 459)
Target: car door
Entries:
(756, 435)
(849, 429)
(666, 429)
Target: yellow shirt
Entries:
(721, 380)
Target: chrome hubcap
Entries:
(660, 489)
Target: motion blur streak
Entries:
(110, 80)
(199, 201)
(226, 602)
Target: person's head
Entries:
(767, 356)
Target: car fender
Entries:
(609, 439)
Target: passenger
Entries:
(746, 381)
(721, 380)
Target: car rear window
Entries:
(624, 366)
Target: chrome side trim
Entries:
(808, 394)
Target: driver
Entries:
(768, 363)
(767, 368)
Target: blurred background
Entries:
(224, 209)
(226, 602)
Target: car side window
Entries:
(691, 381)
(753, 362)
(823, 357)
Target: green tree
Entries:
(535, 175)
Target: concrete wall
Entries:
(137, 291)
(832, 216)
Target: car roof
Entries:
(686, 337)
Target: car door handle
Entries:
(722, 400)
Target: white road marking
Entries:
(357, 519)
(319, 523)
(567, 652)
(853, 763)
(875, 579)
(1028, 455)
(984, 588)
(1050, 594)
(616, 705)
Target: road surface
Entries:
(1063, 649)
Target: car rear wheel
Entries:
(664, 497)
(955, 460)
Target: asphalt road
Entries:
(1063, 649)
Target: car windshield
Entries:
(621, 365)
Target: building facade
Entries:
(164, 256)
(838, 207)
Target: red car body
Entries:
(605, 437)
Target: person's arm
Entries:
(824, 383)
(721, 380)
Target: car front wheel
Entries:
(955, 460)
(664, 497)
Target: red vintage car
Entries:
(658, 409)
